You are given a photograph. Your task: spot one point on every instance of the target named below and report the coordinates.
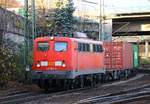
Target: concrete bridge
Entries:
(131, 24)
(133, 27)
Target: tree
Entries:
(44, 10)
(9, 3)
(63, 17)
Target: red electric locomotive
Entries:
(77, 62)
(60, 60)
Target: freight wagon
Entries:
(120, 59)
(75, 62)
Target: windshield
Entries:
(60, 46)
(43, 46)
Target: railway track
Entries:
(121, 97)
(18, 97)
(144, 96)
(30, 96)
(118, 99)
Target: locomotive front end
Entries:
(51, 59)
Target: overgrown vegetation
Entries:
(6, 64)
(12, 67)
(145, 61)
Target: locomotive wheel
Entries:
(60, 84)
(65, 84)
(43, 84)
(46, 85)
(72, 84)
(81, 82)
(46, 89)
(69, 84)
(75, 83)
(39, 84)
(88, 81)
(98, 78)
(102, 78)
(92, 81)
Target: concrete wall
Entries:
(11, 26)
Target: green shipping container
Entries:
(135, 56)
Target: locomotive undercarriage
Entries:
(82, 81)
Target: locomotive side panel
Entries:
(74, 56)
(90, 62)
(89, 57)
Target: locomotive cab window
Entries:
(60, 46)
(83, 47)
(97, 48)
(101, 48)
(80, 47)
(42, 46)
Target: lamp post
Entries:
(101, 11)
(26, 41)
(100, 37)
(100, 21)
(26, 37)
(33, 20)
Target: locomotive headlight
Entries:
(51, 38)
(38, 65)
(63, 65)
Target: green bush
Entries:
(145, 61)
(7, 64)
(22, 59)
(12, 67)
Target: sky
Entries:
(116, 6)
(119, 6)
(127, 5)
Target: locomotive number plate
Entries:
(58, 63)
(44, 63)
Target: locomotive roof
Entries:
(83, 40)
(86, 40)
